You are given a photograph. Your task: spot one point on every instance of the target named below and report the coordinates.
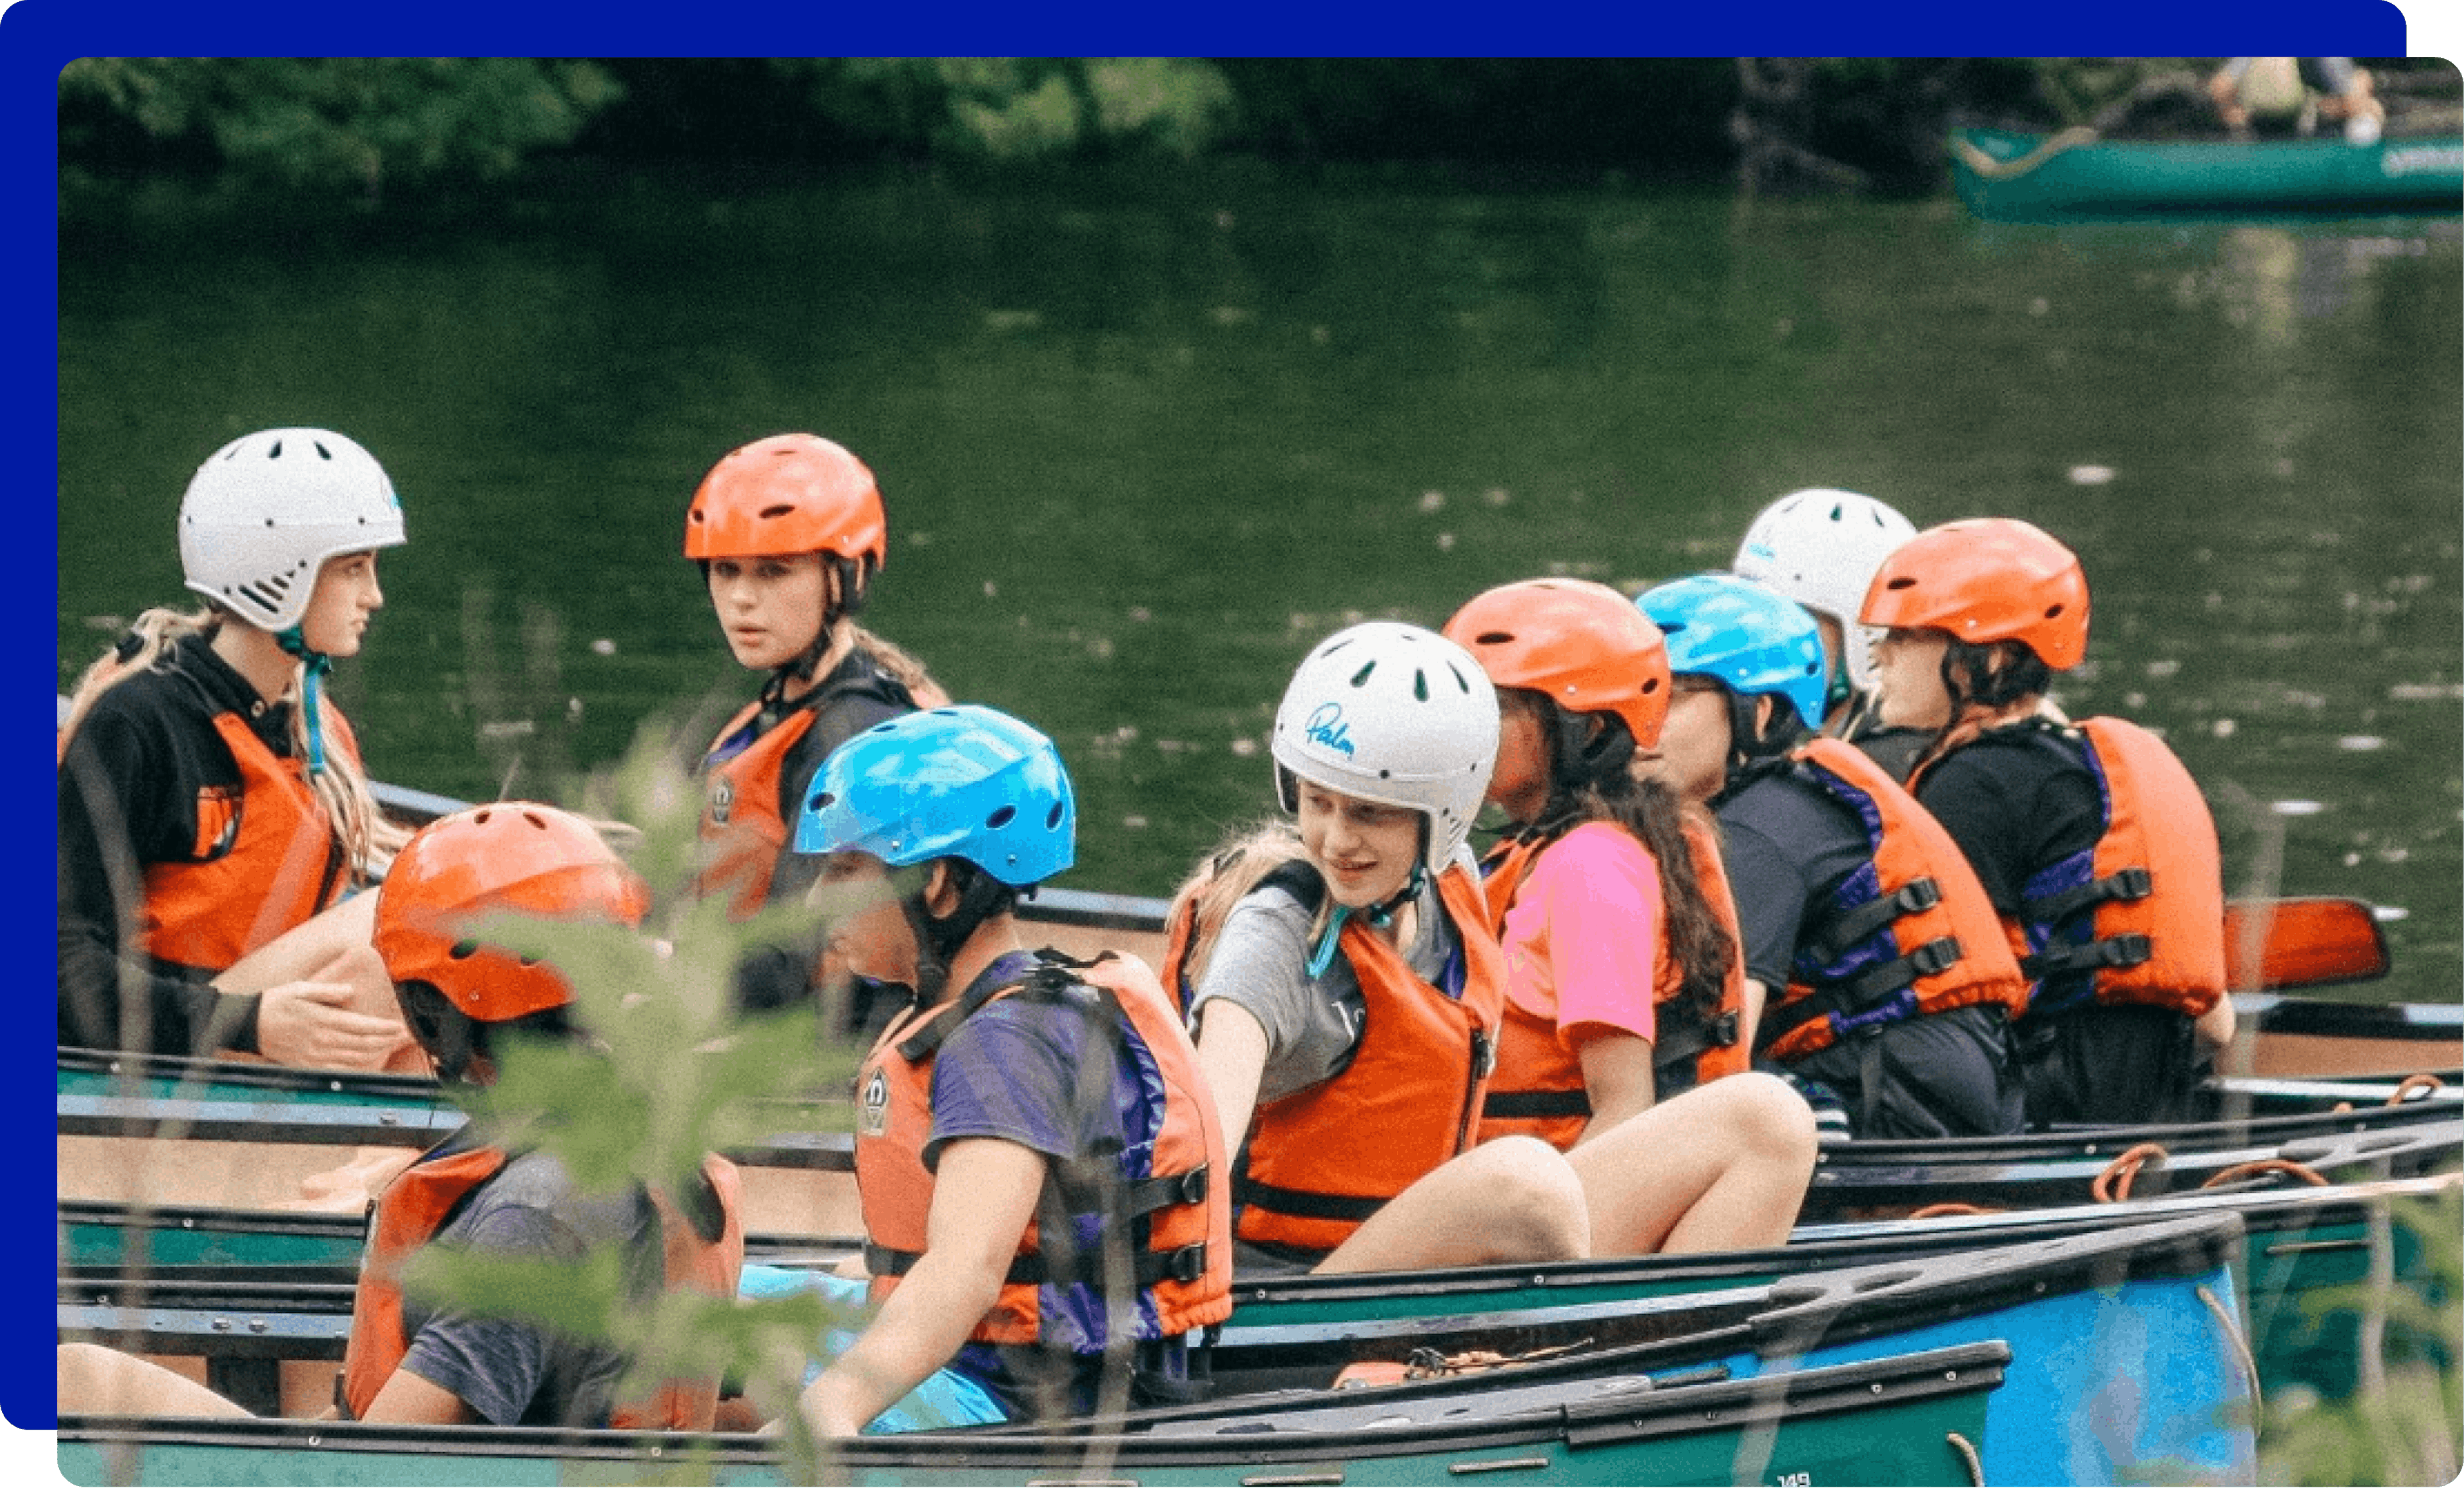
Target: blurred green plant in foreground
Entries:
(668, 1071)
(2405, 1421)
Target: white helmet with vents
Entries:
(1820, 547)
(1392, 713)
(266, 511)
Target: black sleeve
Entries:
(121, 805)
(2013, 809)
(1771, 893)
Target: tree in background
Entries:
(324, 123)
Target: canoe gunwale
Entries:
(1679, 1410)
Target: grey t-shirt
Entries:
(1313, 1023)
(513, 1371)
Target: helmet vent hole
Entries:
(1052, 818)
(322, 453)
(1002, 818)
(2052, 610)
(825, 800)
(273, 452)
(1650, 685)
(481, 817)
(1459, 680)
(1385, 774)
(1901, 583)
(1837, 512)
(534, 820)
(464, 950)
(774, 513)
(1360, 678)
(1419, 686)
(695, 516)
(528, 960)
(1496, 637)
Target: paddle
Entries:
(2272, 943)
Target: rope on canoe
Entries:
(2241, 1348)
(1992, 169)
(2423, 1083)
(2113, 1185)
(2238, 1170)
(1944, 1210)
(1975, 1463)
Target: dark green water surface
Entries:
(1140, 453)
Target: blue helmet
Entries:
(1752, 639)
(964, 781)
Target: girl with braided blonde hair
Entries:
(214, 819)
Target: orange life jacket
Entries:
(266, 859)
(1538, 1089)
(744, 824)
(1912, 933)
(1321, 1161)
(1178, 1187)
(2154, 884)
(416, 1204)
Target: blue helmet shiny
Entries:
(963, 781)
(1752, 639)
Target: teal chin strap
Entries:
(313, 669)
(1380, 914)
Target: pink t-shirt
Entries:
(1583, 935)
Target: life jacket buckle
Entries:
(1187, 1263)
(1723, 1029)
(2131, 883)
(1935, 956)
(1918, 895)
(1193, 1184)
(2123, 949)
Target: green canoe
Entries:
(1912, 1418)
(2154, 1305)
(2015, 175)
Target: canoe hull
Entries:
(2012, 175)
(1921, 1419)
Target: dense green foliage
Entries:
(353, 127)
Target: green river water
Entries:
(1141, 448)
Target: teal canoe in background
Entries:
(2015, 175)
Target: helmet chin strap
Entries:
(937, 941)
(1380, 914)
(314, 665)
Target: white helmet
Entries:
(1392, 713)
(1820, 548)
(264, 511)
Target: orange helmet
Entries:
(1582, 645)
(1986, 578)
(505, 856)
(789, 494)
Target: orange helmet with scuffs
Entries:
(1985, 580)
(785, 495)
(1582, 645)
(506, 855)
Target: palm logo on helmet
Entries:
(264, 511)
(1577, 643)
(1753, 640)
(1820, 547)
(963, 781)
(1392, 713)
(1987, 579)
(507, 856)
